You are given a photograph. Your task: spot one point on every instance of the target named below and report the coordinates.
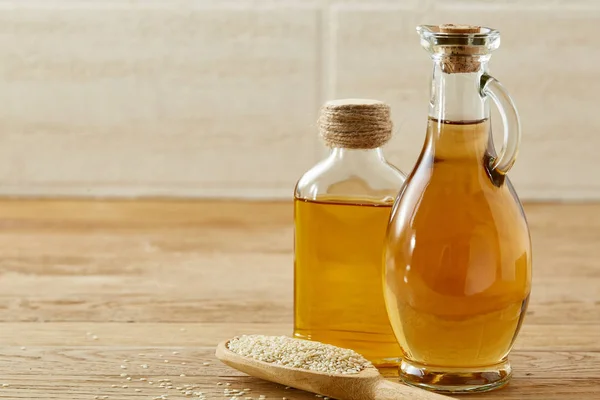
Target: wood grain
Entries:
(147, 278)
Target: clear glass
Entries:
(341, 210)
(457, 273)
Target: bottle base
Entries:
(455, 380)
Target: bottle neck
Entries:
(456, 96)
(458, 127)
(357, 157)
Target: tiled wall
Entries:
(219, 98)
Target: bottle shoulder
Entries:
(333, 179)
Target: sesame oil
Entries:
(338, 269)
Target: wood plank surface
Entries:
(86, 285)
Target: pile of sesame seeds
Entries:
(297, 353)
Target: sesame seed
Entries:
(175, 353)
(144, 366)
(123, 375)
(205, 363)
(23, 348)
(228, 384)
(138, 390)
(94, 337)
(5, 385)
(166, 361)
(183, 363)
(143, 379)
(113, 386)
(297, 353)
(97, 397)
(124, 386)
(123, 366)
(150, 382)
(128, 378)
(182, 375)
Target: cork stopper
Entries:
(355, 123)
(452, 28)
(460, 59)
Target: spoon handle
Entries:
(386, 390)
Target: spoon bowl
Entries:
(367, 384)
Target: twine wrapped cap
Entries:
(355, 123)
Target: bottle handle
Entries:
(491, 87)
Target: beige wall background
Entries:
(205, 98)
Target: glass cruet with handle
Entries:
(457, 272)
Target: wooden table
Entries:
(90, 291)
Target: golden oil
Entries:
(338, 290)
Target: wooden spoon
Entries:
(366, 385)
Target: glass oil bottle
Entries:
(342, 207)
(458, 250)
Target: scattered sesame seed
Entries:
(123, 375)
(205, 363)
(297, 353)
(143, 379)
(125, 361)
(5, 385)
(175, 353)
(166, 361)
(183, 363)
(141, 354)
(124, 386)
(128, 378)
(23, 348)
(138, 390)
(94, 337)
(150, 382)
(228, 384)
(113, 386)
(247, 389)
(219, 383)
(123, 366)
(182, 375)
(97, 397)
(144, 366)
